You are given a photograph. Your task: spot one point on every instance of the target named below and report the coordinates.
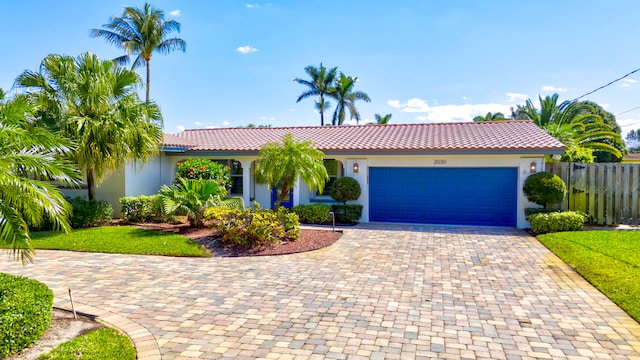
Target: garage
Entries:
(458, 196)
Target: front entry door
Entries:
(288, 201)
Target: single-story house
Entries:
(448, 173)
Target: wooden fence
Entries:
(608, 192)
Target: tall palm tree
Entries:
(95, 104)
(490, 117)
(142, 32)
(31, 160)
(320, 84)
(382, 120)
(282, 163)
(346, 98)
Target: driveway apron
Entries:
(381, 292)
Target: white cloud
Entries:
(246, 49)
(251, 6)
(272, 118)
(450, 113)
(394, 103)
(226, 123)
(210, 127)
(198, 123)
(292, 110)
(513, 97)
(553, 88)
(175, 13)
(604, 105)
(631, 81)
(263, 118)
(180, 128)
(465, 98)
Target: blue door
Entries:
(461, 196)
(288, 202)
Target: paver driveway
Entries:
(382, 291)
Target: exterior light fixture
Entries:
(533, 167)
(356, 168)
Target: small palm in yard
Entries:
(190, 197)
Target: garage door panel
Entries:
(468, 196)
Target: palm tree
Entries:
(346, 98)
(141, 32)
(281, 163)
(572, 123)
(490, 117)
(382, 120)
(95, 104)
(31, 160)
(321, 84)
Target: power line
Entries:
(626, 111)
(604, 86)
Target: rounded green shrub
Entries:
(312, 213)
(205, 169)
(347, 213)
(542, 223)
(544, 189)
(345, 189)
(25, 312)
(88, 213)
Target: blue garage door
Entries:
(464, 196)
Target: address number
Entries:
(439, 162)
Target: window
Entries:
(334, 170)
(235, 169)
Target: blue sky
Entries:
(422, 61)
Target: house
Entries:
(448, 173)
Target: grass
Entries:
(610, 260)
(119, 240)
(99, 344)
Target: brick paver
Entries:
(381, 292)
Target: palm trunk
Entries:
(282, 196)
(322, 110)
(91, 183)
(148, 77)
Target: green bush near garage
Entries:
(26, 307)
(543, 223)
(141, 208)
(312, 213)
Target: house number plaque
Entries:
(439, 162)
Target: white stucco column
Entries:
(362, 176)
(246, 181)
(523, 173)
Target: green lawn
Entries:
(99, 344)
(119, 240)
(610, 260)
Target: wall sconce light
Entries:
(356, 168)
(533, 167)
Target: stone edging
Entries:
(144, 342)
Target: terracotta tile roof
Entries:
(632, 156)
(469, 136)
(171, 140)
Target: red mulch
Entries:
(309, 240)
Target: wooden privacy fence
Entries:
(608, 192)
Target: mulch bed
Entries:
(309, 240)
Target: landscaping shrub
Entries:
(347, 213)
(25, 312)
(141, 208)
(543, 223)
(87, 213)
(313, 213)
(544, 189)
(205, 169)
(531, 211)
(190, 197)
(255, 228)
(345, 189)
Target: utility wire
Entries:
(604, 86)
(626, 111)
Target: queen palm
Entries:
(320, 84)
(490, 117)
(346, 98)
(141, 32)
(382, 120)
(95, 104)
(31, 159)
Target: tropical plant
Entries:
(142, 32)
(95, 104)
(575, 124)
(490, 117)
(382, 120)
(346, 98)
(282, 163)
(633, 140)
(320, 84)
(190, 197)
(31, 162)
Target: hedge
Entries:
(26, 307)
(313, 213)
(542, 223)
(141, 208)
